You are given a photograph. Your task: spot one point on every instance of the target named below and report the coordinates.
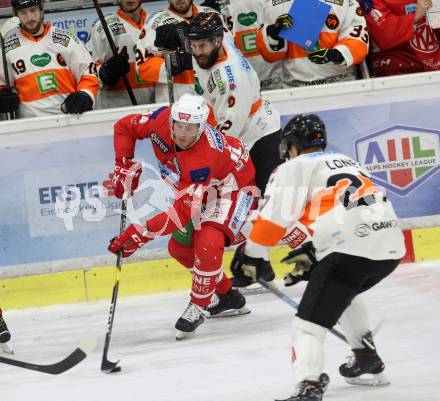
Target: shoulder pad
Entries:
(12, 43)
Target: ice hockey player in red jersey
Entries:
(356, 242)
(214, 179)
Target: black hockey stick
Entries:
(59, 367)
(106, 365)
(170, 83)
(10, 24)
(114, 49)
(274, 290)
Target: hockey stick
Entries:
(59, 367)
(167, 56)
(10, 24)
(274, 290)
(114, 49)
(106, 365)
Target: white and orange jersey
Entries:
(232, 88)
(153, 66)
(125, 33)
(344, 30)
(45, 70)
(332, 196)
(244, 18)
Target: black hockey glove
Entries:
(215, 4)
(171, 37)
(282, 22)
(9, 100)
(77, 103)
(256, 268)
(180, 61)
(325, 56)
(304, 259)
(114, 68)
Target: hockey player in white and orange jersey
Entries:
(232, 88)
(356, 242)
(9, 100)
(125, 27)
(153, 66)
(5, 335)
(244, 18)
(342, 43)
(51, 70)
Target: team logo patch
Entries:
(47, 82)
(359, 12)
(211, 84)
(400, 158)
(41, 60)
(231, 101)
(12, 44)
(159, 142)
(337, 2)
(332, 22)
(219, 82)
(61, 60)
(117, 29)
(61, 38)
(247, 19)
(200, 175)
(142, 34)
(184, 116)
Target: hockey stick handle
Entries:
(106, 365)
(274, 290)
(6, 70)
(113, 49)
(167, 57)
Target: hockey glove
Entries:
(126, 177)
(256, 268)
(9, 100)
(325, 56)
(282, 22)
(180, 61)
(215, 4)
(170, 37)
(130, 240)
(114, 68)
(304, 259)
(77, 103)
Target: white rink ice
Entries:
(231, 359)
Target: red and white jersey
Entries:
(344, 30)
(232, 87)
(335, 199)
(399, 46)
(152, 67)
(45, 70)
(125, 33)
(214, 161)
(244, 18)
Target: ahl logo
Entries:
(400, 158)
(184, 116)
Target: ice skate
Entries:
(188, 322)
(364, 367)
(309, 390)
(230, 304)
(5, 336)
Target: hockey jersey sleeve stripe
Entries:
(149, 69)
(39, 85)
(266, 233)
(185, 77)
(89, 83)
(268, 54)
(357, 49)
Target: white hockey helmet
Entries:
(191, 109)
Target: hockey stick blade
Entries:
(59, 367)
(10, 24)
(274, 290)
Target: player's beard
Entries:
(207, 62)
(30, 30)
(181, 8)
